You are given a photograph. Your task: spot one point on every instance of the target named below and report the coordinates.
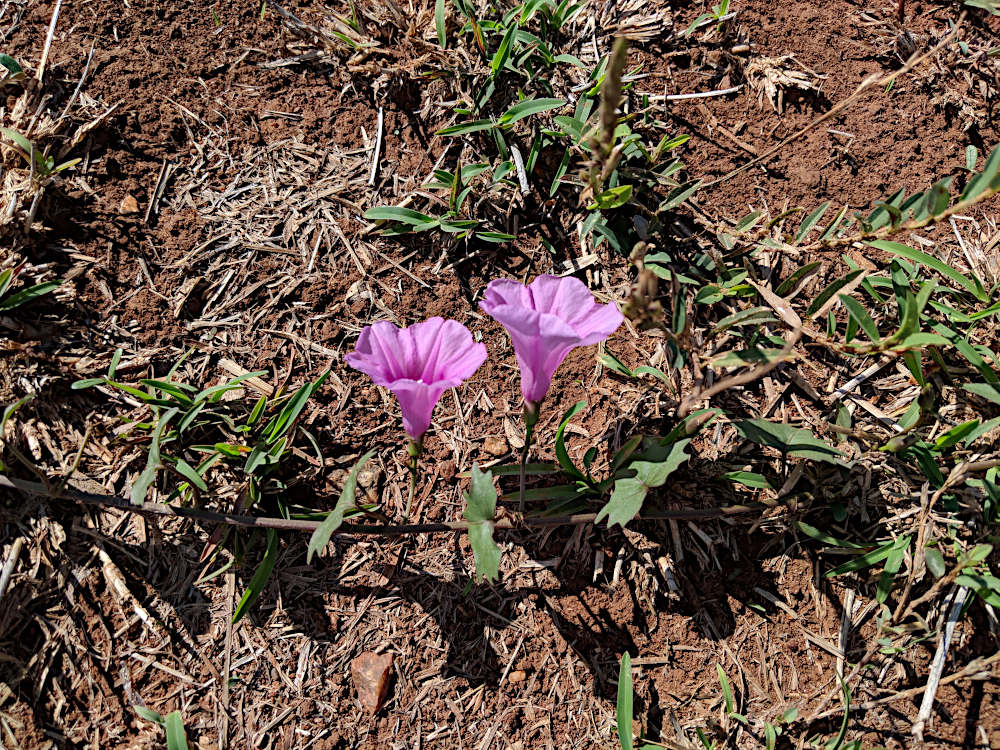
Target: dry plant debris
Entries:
(809, 351)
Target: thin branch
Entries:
(358, 529)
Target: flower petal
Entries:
(541, 342)
(546, 320)
(460, 355)
(417, 363)
(417, 401)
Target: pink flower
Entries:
(417, 364)
(546, 320)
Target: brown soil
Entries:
(254, 252)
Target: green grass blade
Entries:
(439, 24)
(27, 295)
(562, 455)
(972, 285)
(624, 707)
(529, 107)
(174, 724)
(260, 577)
(397, 213)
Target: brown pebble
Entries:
(517, 676)
(370, 672)
(495, 445)
(129, 205)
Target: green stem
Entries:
(530, 420)
(414, 448)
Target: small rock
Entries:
(129, 205)
(495, 445)
(518, 675)
(370, 672)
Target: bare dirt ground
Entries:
(217, 210)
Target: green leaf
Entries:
(892, 564)
(503, 52)
(27, 295)
(281, 424)
(321, 536)
(260, 577)
(788, 284)
(794, 441)
(747, 357)
(79, 385)
(938, 198)
(973, 285)
(822, 536)
(11, 64)
(497, 237)
(22, 142)
(439, 23)
(863, 561)
(153, 462)
(837, 742)
(218, 390)
(811, 221)
(935, 561)
(654, 473)
(823, 297)
(857, 311)
(191, 474)
(984, 390)
(625, 502)
(148, 714)
(512, 470)
(727, 690)
(612, 198)
(480, 512)
(749, 479)
(968, 351)
(624, 708)
(400, 214)
(955, 435)
(981, 182)
(678, 195)
(529, 107)
(751, 316)
(174, 724)
(630, 492)
(616, 365)
(971, 156)
(562, 455)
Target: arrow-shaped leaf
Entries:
(480, 511)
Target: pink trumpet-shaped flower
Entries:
(546, 320)
(417, 364)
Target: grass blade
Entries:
(529, 107)
(439, 23)
(974, 286)
(624, 707)
(174, 724)
(260, 577)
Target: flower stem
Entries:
(414, 448)
(530, 420)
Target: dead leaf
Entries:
(370, 672)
